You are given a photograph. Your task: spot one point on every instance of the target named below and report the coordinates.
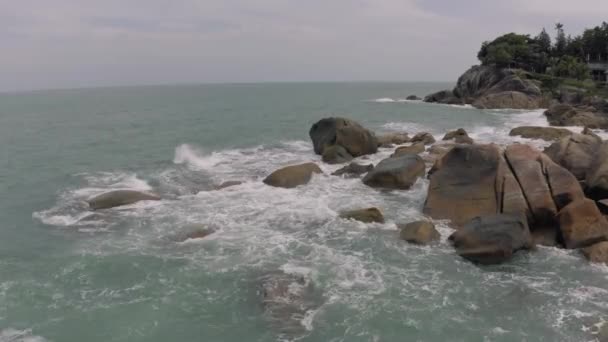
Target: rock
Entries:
(575, 153)
(508, 99)
(390, 139)
(336, 154)
(421, 232)
(425, 138)
(565, 188)
(353, 170)
(413, 98)
(194, 234)
(440, 150)
(463, 185)
(524, 162)
(479, 81)
(117, 198)
(582, 224)
(459, 136)
(444, 97)
(597, 175)
(369, 215)
(357, 140)
(597, 253)
(492, 239)
(412, 149)
(603, 334)
(228, 184)
(543, 133)
(286, 299)
(292, 176)
(603, 206)
(396, 173)
(567, 115)
(588, 131)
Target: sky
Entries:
(87, 43)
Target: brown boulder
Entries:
(369, 215)
(421, 232)
(463, 185)
(459, 136)
(543, 133)
(412, 149)
(597, 253)
(492, 239)
(582, 224)
(292, 176)
(565, 188)
(597, 175)
(576, 153)
(349, 134)
(424, 138)
(117, 198)
(228, 184)
(566, 115)
(390, 139)
(396, 173)
(508, 99)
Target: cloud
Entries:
(71, 43)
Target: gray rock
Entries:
(336, 154)
(119, 198)
(396, 173)
(353, 170)
(576, 153)
(413, 98)
(508, 99)
(228, 184)
(492, 239)
(543, 133)
(412, 149)
(424, 138)
(443, 97)
(349, 134)
(567, 115)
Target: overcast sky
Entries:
(75, 43)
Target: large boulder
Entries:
(369, 215)
(396, 173)
(411, 149)
(353, 170)
(597, 253)
(582, 224)
(292, 176)
(413, 98)
(597, 175)
(349, 134)
(508, 99)
(492, 239)
(565, 188)
(117, 198)
(576, 153)
(462, 186)
(336, 154)
(567, 115)
(482, 80)
(420, 232)
(543, 133)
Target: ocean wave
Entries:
(14, 335)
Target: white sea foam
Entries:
(14, 335)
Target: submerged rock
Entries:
(543, 133)
(119, 198)
(413, 98)
(396, 173)
(293, 176)
(336, 154)
(353, 170)
(286, 299)
(194, 234)
(492, 239)
(353, 137)
(582, 224)
(369, 215)
(228, 184)
(597, 253)
(460, 136)
(443, 97)
(421, 232)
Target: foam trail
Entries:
(14, 335)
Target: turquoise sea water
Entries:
(67, 274)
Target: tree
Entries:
(560, 41)
(544, 41)
(571, 67)
(511, 50)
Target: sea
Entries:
(71, 274)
